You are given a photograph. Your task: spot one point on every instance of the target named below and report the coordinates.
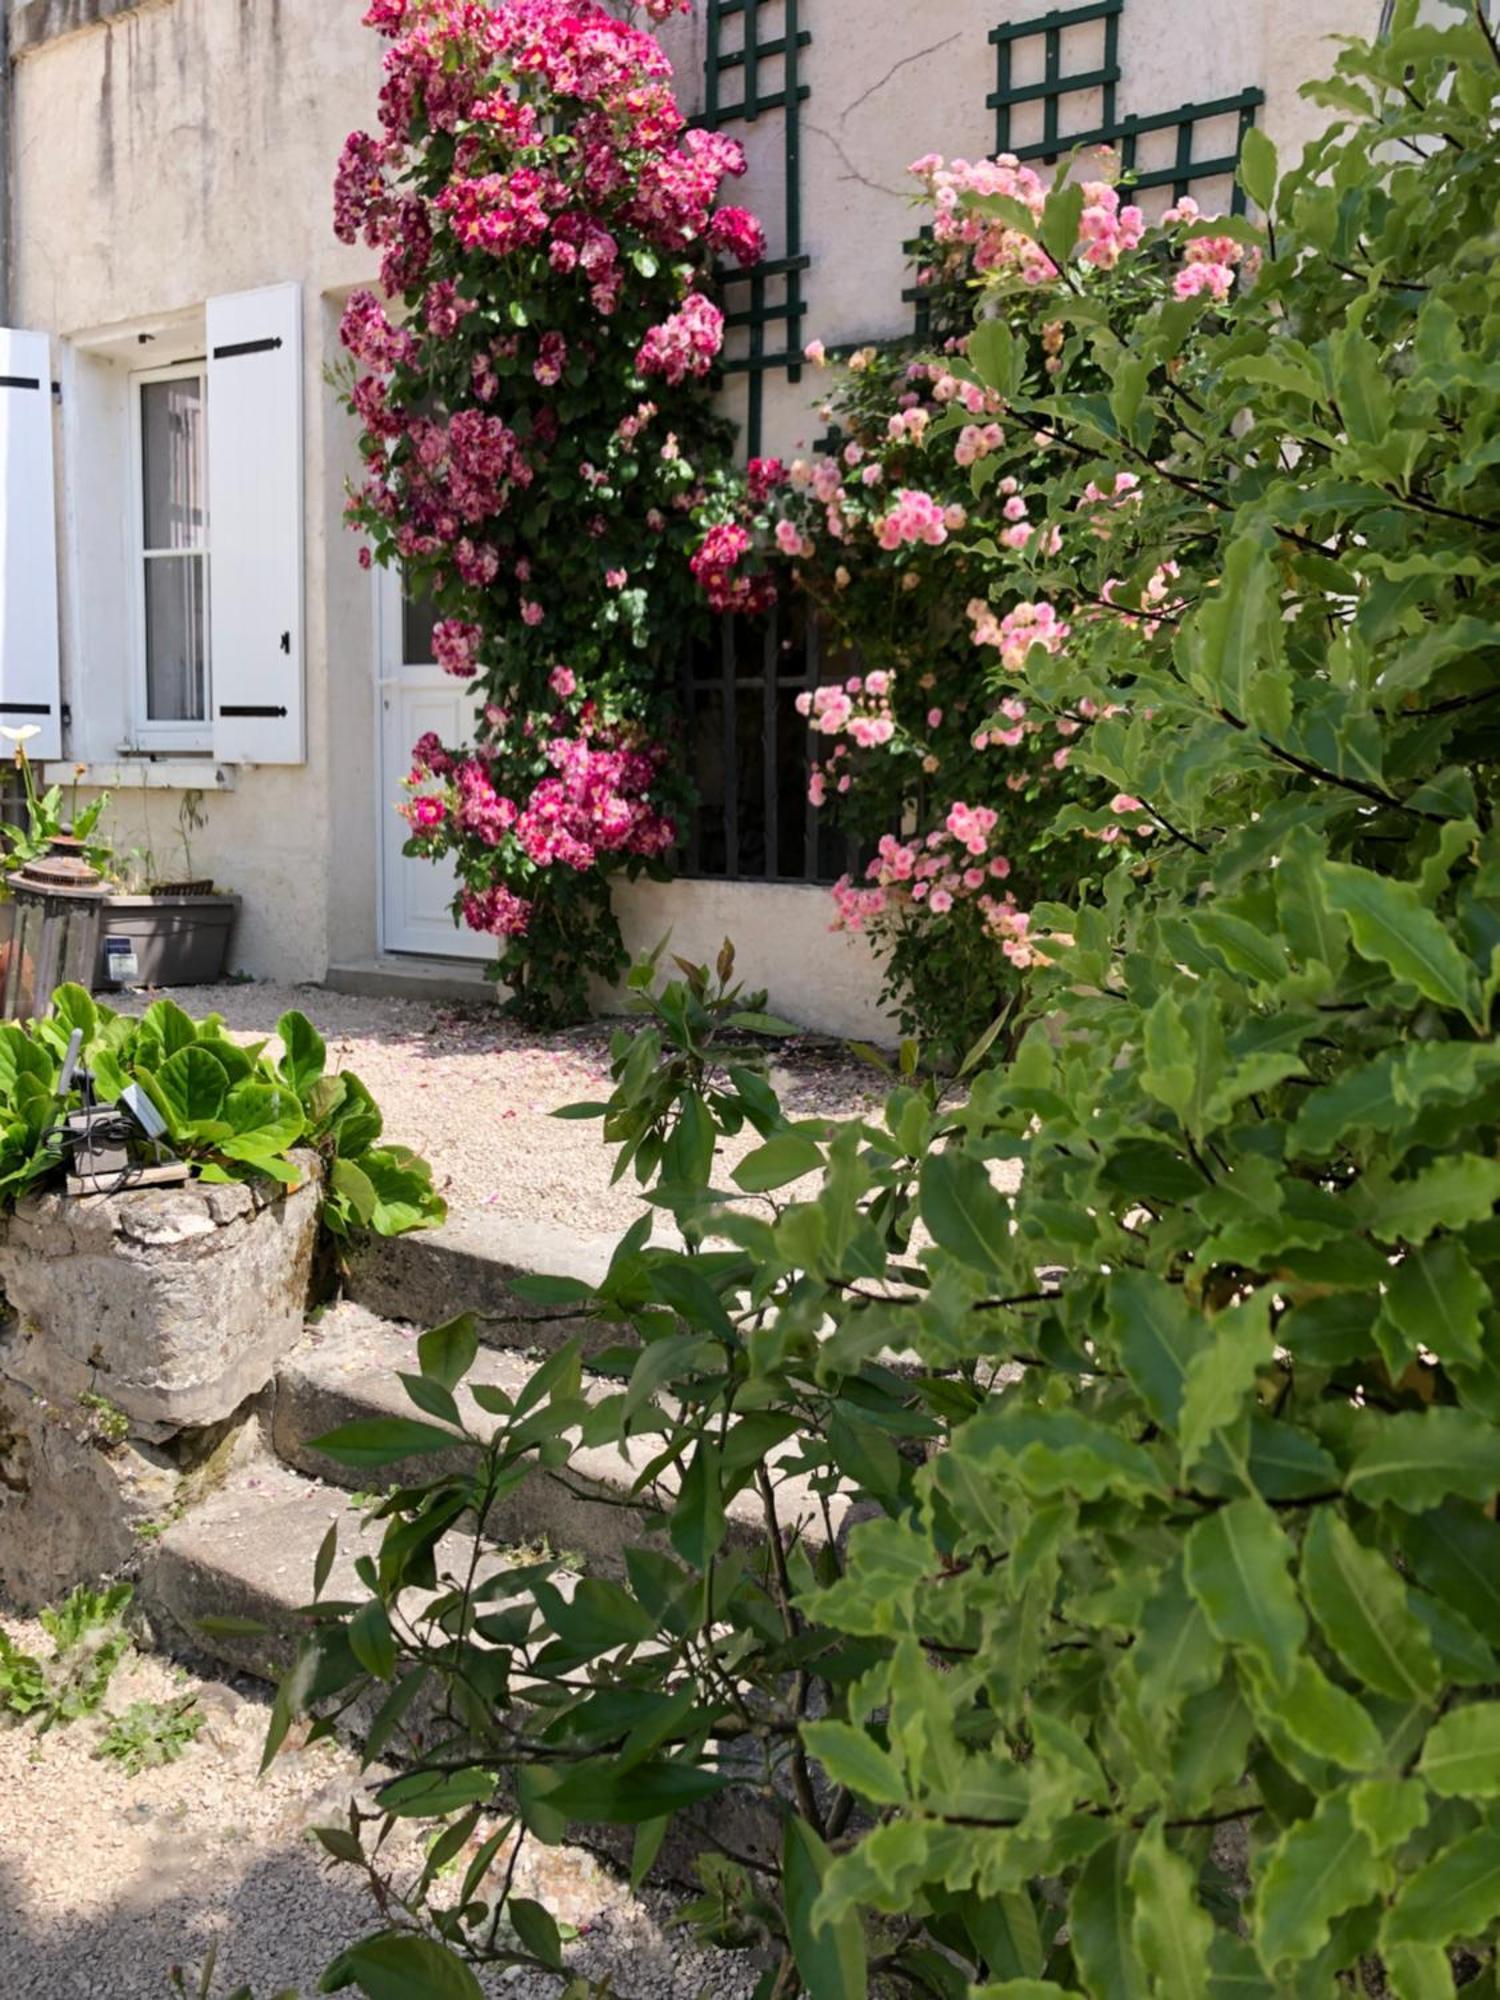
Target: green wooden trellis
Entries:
(1055, 87)
(763, 314)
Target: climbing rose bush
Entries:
(923, 533)
(540, 457)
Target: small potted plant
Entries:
(163, 928)
(42, 831)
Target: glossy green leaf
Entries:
(831, 1956)
(1238, 1569)
(1319, 1868)
(968, 1218)
(1101, 1920)
(193, 1087)
(1418, 1459)
(401, 1966)
(1258, 168)
(852, 1757)
(596, 1794)
(1461, 1757)
(1454, 1895)
(304, 1053)
(1171, 1929)
(787, 1157)
(1435, 1300)
(1389, 923)
(446, 1353)
(377, 1441)
(1360, 1604)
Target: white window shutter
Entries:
(255, 482)
(30, 683)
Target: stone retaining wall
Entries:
(141, 1331)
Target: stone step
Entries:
(348, 1368)
(392, 977)
(471, 1264)
(249, 1553)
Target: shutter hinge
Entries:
(239, 347)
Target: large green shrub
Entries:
(1167, 1662)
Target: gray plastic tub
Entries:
(174, 940)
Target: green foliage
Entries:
(1161, 1368)
(202, 1987)
(237, 1113)
(45, 817)
(88, 1642)
(150, 1733)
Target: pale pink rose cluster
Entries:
(916, 518)
(859, 708)
(1014, 635)
(1011, 928)
(977, 441)
(936, 872)
(1008, 727)
(1106, 228)
(1019, 527)
(950, 388)
(991, 244)
(1208, 262)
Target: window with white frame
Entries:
(172, 694)
(173, 650)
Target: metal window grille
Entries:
(748, 753)
(1056, 86)
(767, 303)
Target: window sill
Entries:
(158, 774)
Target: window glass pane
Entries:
(176, 675)
(418, 616)
(173, 464)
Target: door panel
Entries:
(416, 697)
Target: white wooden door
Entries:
(415, 697)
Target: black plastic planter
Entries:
(164, 940)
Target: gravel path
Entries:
(475, 1094)
(107, 1881)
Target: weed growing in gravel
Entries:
(88, 1641)
(150, 1733)
(203, 1988)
